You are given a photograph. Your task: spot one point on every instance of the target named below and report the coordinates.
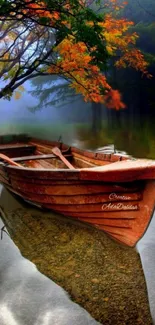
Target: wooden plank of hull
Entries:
(118, 231)
(4, 180)
(71, 201)
(72, 190)
(3, 173)
(111, 222)
(79, 186)
(77, 198)
(52, 174)
(133, 223)
(91, 217)
(3, 176)
(50, 182)
(122, 171)
(128, 238)
(86, 209)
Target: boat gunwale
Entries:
(44, 170)
(99, 169)
(77, 150)
(90, 174)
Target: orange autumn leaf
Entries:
(41, 10)
(113, 100)
(135, 59)
(86, 78)
(119, 39)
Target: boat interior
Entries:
(42, 154)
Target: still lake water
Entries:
(134, 135)
(27, 297)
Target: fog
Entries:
(21, 116)
(61, 106)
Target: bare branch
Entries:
(147, 11)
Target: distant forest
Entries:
(138, 92)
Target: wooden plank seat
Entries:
(17, 150)
(16, 146)
(37, 157)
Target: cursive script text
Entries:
(114, 196)
(119, 206)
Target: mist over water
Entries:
(81, 124)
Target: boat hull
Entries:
(117, 196)
(122, 210)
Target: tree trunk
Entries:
(96, 117)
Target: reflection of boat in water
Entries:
(113, 192)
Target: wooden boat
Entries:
(110, 191)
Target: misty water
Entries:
(136, 138)
(76, 124)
